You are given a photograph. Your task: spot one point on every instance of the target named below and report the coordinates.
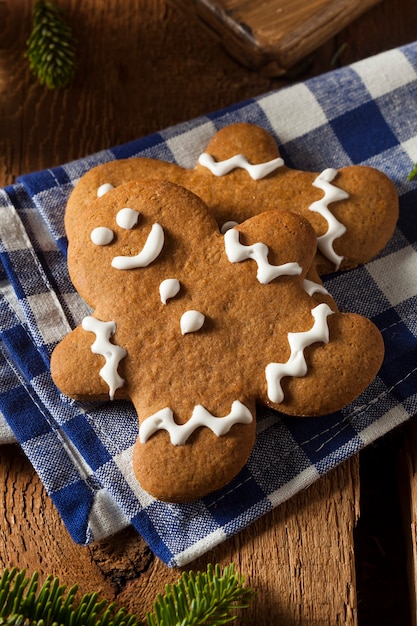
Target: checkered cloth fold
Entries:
(362, 114)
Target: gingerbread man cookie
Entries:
(195, 327)
(353, 210)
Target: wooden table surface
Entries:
(145, 65)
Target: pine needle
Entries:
(22, 605)
(210, 597)
(413, 173)
(51, 46)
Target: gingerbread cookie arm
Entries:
(339, 368)
(97, 374)
(289, 238)
(369, 214)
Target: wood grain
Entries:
(285, 555)
(145, 65)
(273, 35)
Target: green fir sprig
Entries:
(51, 46)
(413, 173)
(210, 597)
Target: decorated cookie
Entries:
(195, 327)
(353, 210)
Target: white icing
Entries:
(103, 189)
(179, 433)
(311, 287)
(169, 289)
(191, 321)
(101, 236)
(127, 218)
(237, 252)
(111, 352)
(335, 228)
(257, 171)
(227, 226)
(150, 251)
(296, 364)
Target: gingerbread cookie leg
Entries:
(196, 464)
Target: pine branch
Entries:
(51, 46)
(210, 597)
(22, 605)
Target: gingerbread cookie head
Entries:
(241, 173)
(196, 327)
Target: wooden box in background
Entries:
(271, 36)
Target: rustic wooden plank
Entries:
(139, 70)
(302, 574)
(274, 35)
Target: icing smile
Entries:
(150, 251)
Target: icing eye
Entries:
(104, 189)
(127, 218)
(102, 236)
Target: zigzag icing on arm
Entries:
(256, 171)
(312, 287)
(237, 252)
(111, 352)
(179, 433)
(296, 364)
(335, 228)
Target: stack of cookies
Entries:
(207, 299)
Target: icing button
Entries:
(191, 321)
(169, 289)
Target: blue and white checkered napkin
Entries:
(365, 113)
